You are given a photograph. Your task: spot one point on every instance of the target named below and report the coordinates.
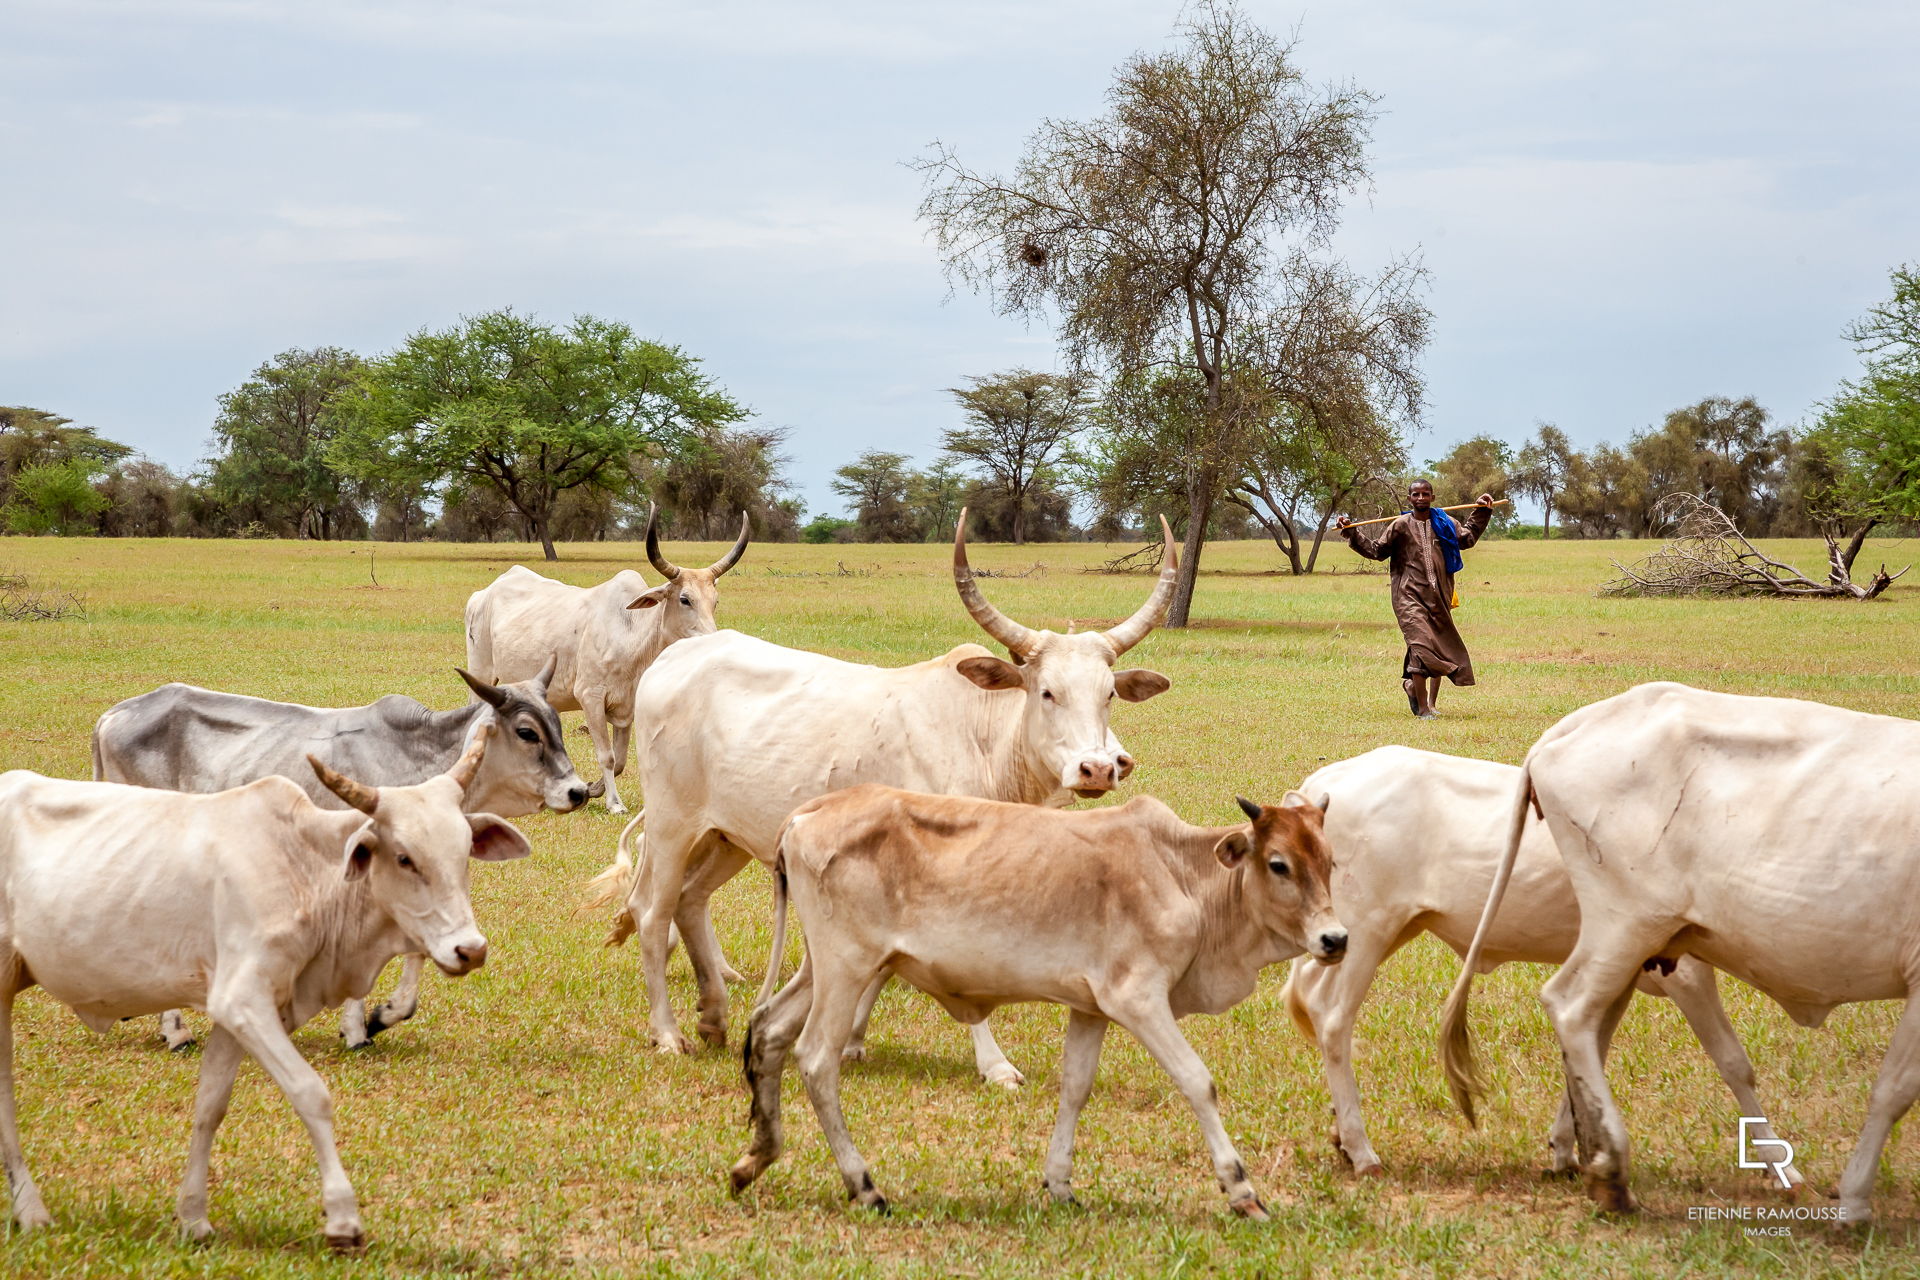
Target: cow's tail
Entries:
(93, 740)
(1464, 1079)
(615, 884)
(1297, 1003)
(772, 981)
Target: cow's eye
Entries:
(528, 735)
(1279, 868)
(1047, 695)
(686, 601)
(405, 861)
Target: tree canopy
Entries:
(526, 408)
(1181, 239)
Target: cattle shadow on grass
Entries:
(889, 1061)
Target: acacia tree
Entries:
(1304, 467)
(1017, 425)
(875, 484)
(531, 410)
(274, 433)
(717, 472)
(1185, 232)
(1542, 469)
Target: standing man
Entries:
(1423, 547)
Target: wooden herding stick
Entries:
(1465, 506)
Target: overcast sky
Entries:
(1625, 207)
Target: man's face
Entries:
(1420, 496)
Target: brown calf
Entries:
(1124, 915)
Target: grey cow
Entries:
(181, 737)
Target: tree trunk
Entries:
(1019, 518)
(1854, 544)
(545, 535)
(1199, 511)
(1546, 522)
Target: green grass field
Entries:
(520, 1124)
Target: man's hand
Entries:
(1485, 499)
(1342, 522)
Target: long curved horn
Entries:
(1131, 632)
(1018, 639)
(660, 563)
(491, 694)
(545, 676)
(739, 549)
(358, 794)
(469, 763)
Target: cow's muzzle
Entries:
(1329, 946)
(467, 957)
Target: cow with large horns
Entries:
(180, 737)
(740, 732)
(254, 904)
(605, 638)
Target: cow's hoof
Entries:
(731, 975)
(1006, 1075)
(616, 808)
(1612, 1196)
(1371, 1169)
(181, 1046)
(1063, 1196)
(715, 1036)
(354, 1046)
(854, 1053)
(348, 1239)
(1251, 1209)
(874, 1202)
(671, 1043)
(197, 1232)
(741, 1176)
(33, 1217)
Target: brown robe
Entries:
(1422, 590)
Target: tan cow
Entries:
(253, 904)
(1774, 839)
(605, 637)
(1124, 915)
(1416, 837)
(739, 732)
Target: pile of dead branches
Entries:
(1705, 555)
(1147, 557)
(20, 602)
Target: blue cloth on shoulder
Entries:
(1447, 534)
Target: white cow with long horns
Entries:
(604, 637)
(740, 732)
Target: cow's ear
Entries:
(359, 853)
(648, 599)
(1139, 684)
(1300, 800)
(991, 673)
(496, 839)
(1233, 849)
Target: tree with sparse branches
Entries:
(1017, 424)
(1185, 233)
(1542, 468)
(273, 436)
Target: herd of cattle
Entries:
(262, 861)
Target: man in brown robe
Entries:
(1422, 590)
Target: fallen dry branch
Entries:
(1147, 557)
(1705, 555)
(19, 602)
